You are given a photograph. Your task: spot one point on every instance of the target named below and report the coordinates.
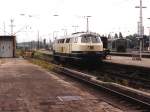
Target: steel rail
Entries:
(88, 79)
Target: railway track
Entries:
(127, 94)
(135, 80)
(135, 77)
(133, 97)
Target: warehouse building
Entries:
(7, 46)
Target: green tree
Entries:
(120, 35)
(109, 36)
(116, 36)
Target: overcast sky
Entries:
(107, 16)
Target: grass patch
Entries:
(38, 55)
(19, 53)
(42, 56)
(43, 64)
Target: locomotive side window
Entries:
(71, 39)
(85, 39)
(61, 41)
(95, 39)
(56, 41)
(68, 40)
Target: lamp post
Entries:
(12, 26)
(140, 27)
(55, 32)
(55, 15)
(4, 28)
(26, 15)
(26, 26)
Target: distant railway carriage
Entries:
(122, 45)
(81, 45)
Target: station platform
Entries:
(144, 62)
(29, 88)
(130, 54)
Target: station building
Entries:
(7, 46)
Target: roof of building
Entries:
(6, 37)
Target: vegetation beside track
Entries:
(43, 64)
(103, 71)
(37, 58)
(42, 56)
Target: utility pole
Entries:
(38, 42)
(4, 28)
(12, 26)
(149, 38)
(87, 23)
(140, 27)
(149, 35)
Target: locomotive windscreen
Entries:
(90, 38)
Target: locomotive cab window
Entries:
(85, 39)
(95, 39)
(90, 38)
(56, 41)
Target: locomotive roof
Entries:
(84, 33)
(78, 34)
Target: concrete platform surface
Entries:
(145, 62)
(25, 87)
(130, 54)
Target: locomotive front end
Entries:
(89, 47)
